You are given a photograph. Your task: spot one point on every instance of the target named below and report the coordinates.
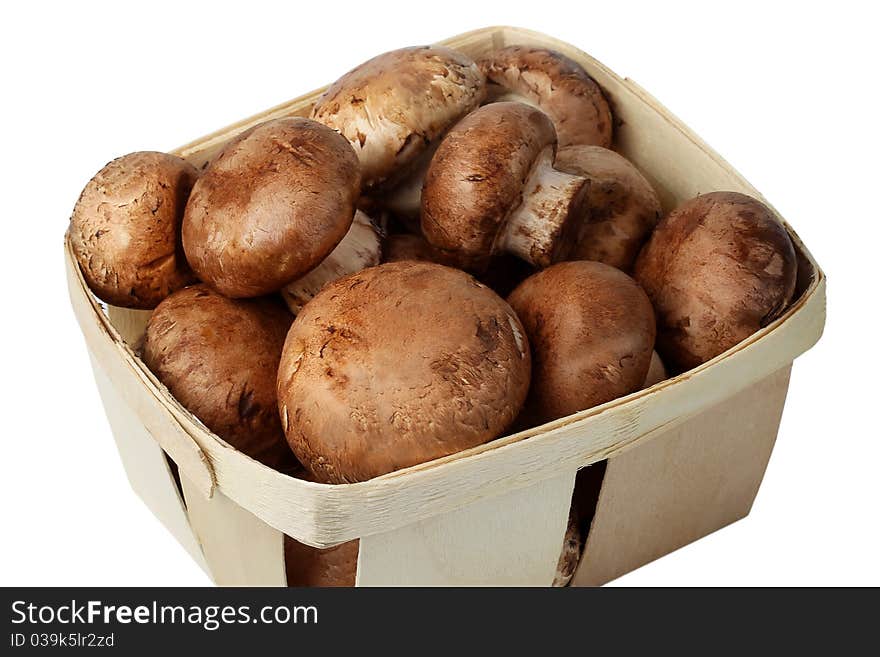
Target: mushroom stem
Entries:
(497, 94)
(359, 249)
(656, 371)
(405, 199)
(553, 202)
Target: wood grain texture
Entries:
(509, 540)
(131, 324)
(241, 550)
(147, 467)
(683, 485)
(678, 163)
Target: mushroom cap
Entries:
(219, 358)
(476, 178)
(397, 365)
(717, 268)
(273, 203)
(591, 328)
(392, 106)
(308, 566)
(125, 229)
(558, 85)
(624, 208)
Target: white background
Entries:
(787, 94)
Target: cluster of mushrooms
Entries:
(448, 250)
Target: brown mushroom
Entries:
(125, 229)
(718, 268)
(328, 567)
(591, 329)
(623, 207)
(359, 249)
(270, 207)
(392, 107)
(219, 358)
(656, 371)
(557, 85)
(491, 187)
(570, 555)
(397, 365)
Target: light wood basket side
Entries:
(692, 480)
(147, 467)
(323, 515)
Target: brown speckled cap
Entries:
(270, 206)
(623, 207)
(591, 328)
(125, 229)
(717, 268)
(397, 365)
(556, 84)
(392, 106)
(478, 177)
(219, 358)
